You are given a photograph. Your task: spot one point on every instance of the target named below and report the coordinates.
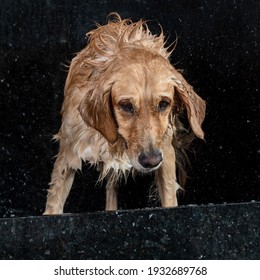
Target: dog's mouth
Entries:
(137, 166)
(146, 161)
(151, 169)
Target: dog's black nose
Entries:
(150, 159)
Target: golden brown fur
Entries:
(119, 112)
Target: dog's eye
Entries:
(127, 107)
(163, 105)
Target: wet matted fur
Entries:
(120, 112)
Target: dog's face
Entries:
(142, 99)
(137, 100)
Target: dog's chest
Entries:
(98, 151)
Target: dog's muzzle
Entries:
(150, 159)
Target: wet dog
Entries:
(120, 112)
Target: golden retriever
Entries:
(120, 112)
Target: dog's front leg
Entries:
(166, 175)
(111, 193)
(61, 182)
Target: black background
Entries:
(217, 48)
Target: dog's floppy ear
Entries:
(195, 106)
(97, 111)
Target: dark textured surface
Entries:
(217, 48)
(190, 232)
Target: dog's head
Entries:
(134, 100)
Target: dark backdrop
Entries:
(217, 48)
